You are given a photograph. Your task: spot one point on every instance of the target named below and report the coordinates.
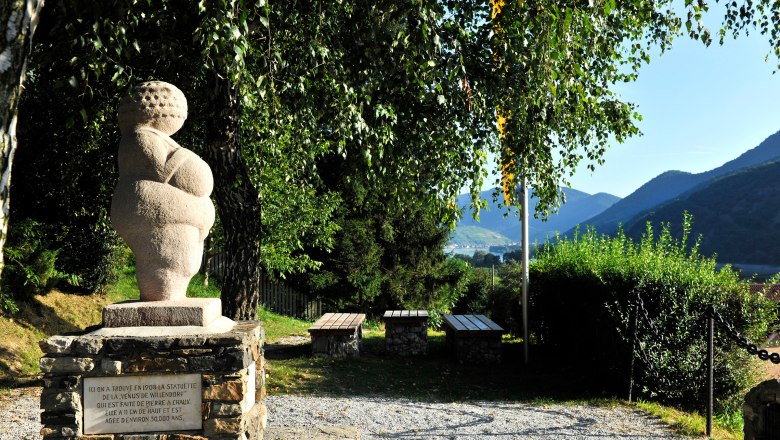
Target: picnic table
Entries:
(337, 334)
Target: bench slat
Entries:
(410, 315)
(491, 325)
(454, 323)
(342, 321)
(321, 322)
(355, 320)
(350, 321)
(467, 322)
(331, 321)
(472, 324)
(337, 322)
(476, 322)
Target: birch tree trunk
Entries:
(238, 203)
(19, 19)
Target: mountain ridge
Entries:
(669, 185)
(737, 215)
(578, 207)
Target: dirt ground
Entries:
(772, 370)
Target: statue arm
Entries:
(163, 153)
(174, 161)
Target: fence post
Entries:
(710, 365)
(633, 350)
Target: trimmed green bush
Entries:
(583, 296)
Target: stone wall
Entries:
(761, 411)
(230, 366)
(474, 349)
(337, 345)
(406, 337)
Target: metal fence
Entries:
(279, 298)
(274, 295)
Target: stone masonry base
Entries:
(228, 365)
(337, 345)
(406, 337)
(475, 349)
(761, 411)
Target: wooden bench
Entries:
(406, 332)
(475, 339)
(337, 334)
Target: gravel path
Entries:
(20, 414)
(383, 418)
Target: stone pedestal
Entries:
(406, 332)
(156, 383)
(761, 411)
(187, 312)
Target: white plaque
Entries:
(142, 403)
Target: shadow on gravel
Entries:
(493, 419)
(436, 377)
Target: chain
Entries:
(741, 341)
(675, 383)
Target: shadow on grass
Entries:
(19, 353)
(38, 316)
(435, 377)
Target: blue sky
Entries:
(701, 107)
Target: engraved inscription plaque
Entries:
(123, 404)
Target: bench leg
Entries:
(476, 350)
(337, 345)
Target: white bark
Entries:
(19, 18)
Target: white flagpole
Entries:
(524, 298)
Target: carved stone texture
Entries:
(161, 204)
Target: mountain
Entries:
(477, 237)
(579, 206)
(738, 215)
(672, 184)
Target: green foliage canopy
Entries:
(327, 101)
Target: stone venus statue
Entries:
(161, 204)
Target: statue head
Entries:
(154, 104)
